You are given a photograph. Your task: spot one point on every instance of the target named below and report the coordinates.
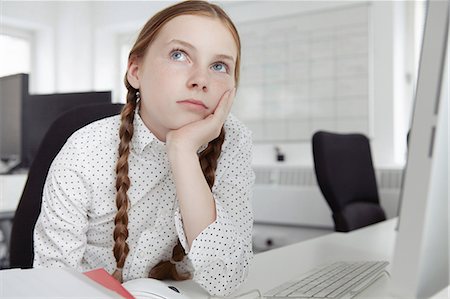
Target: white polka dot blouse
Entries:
(75, 226)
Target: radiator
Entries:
(291, 196)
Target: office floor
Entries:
(271, 236)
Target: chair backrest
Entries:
(346, 177)
(21, 248)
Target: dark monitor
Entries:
(13, 91)
(25, 118)
(41, 110)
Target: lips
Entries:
(194, 102)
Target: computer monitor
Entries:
(25, 118)
(420, 267)
(13, 90)
(40, 111)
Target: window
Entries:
(15, 54)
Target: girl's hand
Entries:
(191, 136)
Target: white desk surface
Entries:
(376, 242)
(50, 283)
(445, 293)
(271, 268)
(11, 187)
(274, 267)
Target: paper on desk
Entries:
(50, 283)
(105, 279)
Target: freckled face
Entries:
(185, 72)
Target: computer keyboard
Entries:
(337, 280)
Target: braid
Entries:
(210, 156)
(121, 248)
(208, 161)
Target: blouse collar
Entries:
(142, 136)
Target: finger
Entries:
(231, 100)
(222, 100)
(225, 104)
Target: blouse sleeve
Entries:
(60, 231)
(221, 253)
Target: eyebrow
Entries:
(188, 45)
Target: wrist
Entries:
(177, 145)
(177, 152)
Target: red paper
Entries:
(106, 280)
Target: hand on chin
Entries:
(193, 135)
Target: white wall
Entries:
(388, 69)
(74, 46)
(76, 49)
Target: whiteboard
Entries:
(306, 72)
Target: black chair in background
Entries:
(21, 243)
(346, 177)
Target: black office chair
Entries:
(21, 243)
(346, 177)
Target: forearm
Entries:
(196, 201)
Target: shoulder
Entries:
(236, 133)
(97, 133)
(101, 136)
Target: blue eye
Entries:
(178, 55)
(222, 67)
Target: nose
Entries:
(198, 80)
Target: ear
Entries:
(133, 72)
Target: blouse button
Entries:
(141, 254)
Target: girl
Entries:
(181, 177)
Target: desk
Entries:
(445, 293)
(11, 187)
(271, 268)
(274, 267)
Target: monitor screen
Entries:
(13, 89)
